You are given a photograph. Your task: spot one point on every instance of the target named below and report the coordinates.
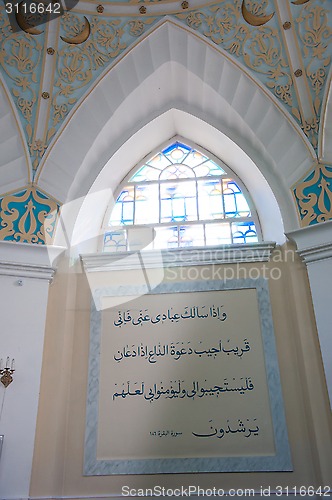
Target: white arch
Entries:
(325, 137)
(14, 157)
(175, 69)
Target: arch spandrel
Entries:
(245, 112)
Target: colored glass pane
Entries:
(194, 158)
(146, 204)
(166, 237)
(140, 237)
(177, 152)
(218, 234)
(146, 173)
(177, 172)
(191, 236)
(178, 202)
(115, 241)
(210, 204)
(244, 232)
(123, 212)
(208, 168)
(160, 161)
(234, 201)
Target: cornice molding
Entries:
(316, 254)
(314, 243)
(18, 270)
(179, 257)
(23, 260)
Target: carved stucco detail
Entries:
(313, 196)
(28, 216)
(314, 31)
(260, 49)
(20, 60)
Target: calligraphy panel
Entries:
(185, 379)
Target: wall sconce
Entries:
(6, 372)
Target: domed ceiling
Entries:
(47, 68)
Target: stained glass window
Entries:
(181, 198)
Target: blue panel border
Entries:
(280, 461)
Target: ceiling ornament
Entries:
(313, 196)
(28, 216)
(37, 148)
(21, 61)
(88, 45)
(258, 48)
(21, 19)
(300, 2)
(313, 26)
(80, 37)
(253, 19)
(79, 65)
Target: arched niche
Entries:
(176, 83)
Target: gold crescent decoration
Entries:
(252, 18)
(22, 22)
(80, 37)
(300, 2)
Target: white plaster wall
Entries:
(23, 312)
(320, 276)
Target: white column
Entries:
(314, 244)
(25, 273)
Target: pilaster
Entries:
(25, 274)
(314, 245)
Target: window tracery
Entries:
(180, 198)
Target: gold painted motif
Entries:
(76, 64)
(27, 217)
(37, 149)
(93, 43)
(314, 196)
(21, 19)
(252, 18)
(315, 34)
(79, 37)
(20, 59)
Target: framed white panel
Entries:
(184, 378)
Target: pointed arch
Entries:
(325, 137)
(175, 69)
(180, 196)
